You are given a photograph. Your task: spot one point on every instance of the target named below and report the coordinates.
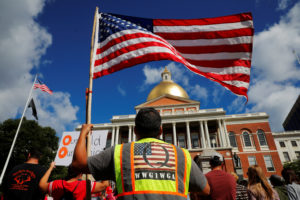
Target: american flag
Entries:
(218, 48)
(39, 84)
(154, 156)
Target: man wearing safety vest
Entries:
(146, 169)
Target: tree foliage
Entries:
(295, 165)
(30, 135)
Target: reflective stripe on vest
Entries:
(149, 168)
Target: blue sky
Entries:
(53, 37)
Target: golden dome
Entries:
(167, 86)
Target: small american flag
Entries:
(154, 156)
(39, 84)
(219, 49)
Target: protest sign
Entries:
(68, 142)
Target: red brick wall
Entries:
(252, 129)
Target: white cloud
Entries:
(22, 44)
(237, 105)
(153, 75)
(199, 92)
(122, 91)
(55, 111)
(282, 4)
(274, 86)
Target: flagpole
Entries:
(16, 135)
(89, 95)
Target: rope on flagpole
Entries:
(17, 133)
(89, 94)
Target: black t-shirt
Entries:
(22, 182)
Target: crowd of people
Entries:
(144, 170)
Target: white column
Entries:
(226, 133)
(207, 134)
(134, 136)
(117, 135)
(129, 133)
(219, 138)
(113, 136)
(203, 145)
(174, 134)
(221, 134)
(188, 135)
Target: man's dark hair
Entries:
(215, 161)
(289, 175)
(276, 180)
(35, 153)
(147, 123)
(72, 173)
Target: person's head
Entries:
(258, 180)
(289, 175)
(255, 174)
(276, 180)
(216, 160)
(72, 173)
(147, 123)
(34, 153)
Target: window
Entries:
(232, 139)
(195, 140)
(262, 138)
(181, 141)
(294, 143)
(282, 144)
(213, 140)
(269, 163)
(252, 160)
(247, 140)
(297, 154)
(169, 139)
(286, 157)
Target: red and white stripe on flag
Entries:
(218, 48)
(42, 87)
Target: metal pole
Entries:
(16, 135)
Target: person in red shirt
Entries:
(73, 184)
(222, 184)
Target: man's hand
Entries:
(85, 129)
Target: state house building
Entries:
(243, 139)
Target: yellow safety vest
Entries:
(152, 169)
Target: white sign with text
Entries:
(68, 142)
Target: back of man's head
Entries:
(147, 123)
(34, 153)
(216, 160)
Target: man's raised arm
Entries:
(80, 157)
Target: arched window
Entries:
(261, 138)
(247, 140)
(232, 139)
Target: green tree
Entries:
(31, 135)
(295, 165)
